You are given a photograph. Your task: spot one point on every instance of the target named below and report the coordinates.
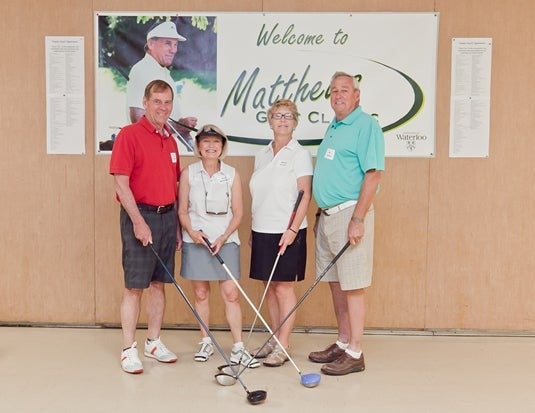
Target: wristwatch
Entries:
(357, 220)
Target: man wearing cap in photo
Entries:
(161, 48)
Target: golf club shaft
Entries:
(199, 319)
(303, 297)
(294, 211)
(180, 137)
(251, 304)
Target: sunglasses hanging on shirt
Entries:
(216, 195)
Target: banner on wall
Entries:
(229, 68)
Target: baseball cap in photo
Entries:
(165, 29)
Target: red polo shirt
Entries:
(150, 160)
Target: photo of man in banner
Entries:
(134, 50)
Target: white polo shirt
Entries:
(273, 186)
(202, 187)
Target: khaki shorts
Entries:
(353, 270)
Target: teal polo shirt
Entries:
(350, 148)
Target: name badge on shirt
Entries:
(329, 154)
(173, 157)
(223, 179)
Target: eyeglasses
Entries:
(279, 116)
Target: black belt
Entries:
(157, 209)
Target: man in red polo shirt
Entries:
(146, 167)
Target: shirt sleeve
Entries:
(303, 163)
(372, 148)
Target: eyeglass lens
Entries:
(288, 116)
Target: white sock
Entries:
(206, 340)
(237, 345)
(343, 346)
(354, 354)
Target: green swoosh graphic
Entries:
(257, 141)
(413, 111)
(418, 99)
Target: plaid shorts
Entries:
(140, 264)
(354, 268)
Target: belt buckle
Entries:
(161, 209)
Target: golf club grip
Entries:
(296, 205)
(297, 202)
(210, 246)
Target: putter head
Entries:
(225, 379)
(310, 380)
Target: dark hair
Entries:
(157, 86)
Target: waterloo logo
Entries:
(411, 138)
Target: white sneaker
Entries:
(243, 357)
(157, 350)
(130, 360)
(206, 349)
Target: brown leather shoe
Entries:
(328, 355)
(345, 364)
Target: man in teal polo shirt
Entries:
(349, 164)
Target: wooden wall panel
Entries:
(46, 248)
(453, 245)
(480, 253)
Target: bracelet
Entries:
(357, 220)
(291, 229)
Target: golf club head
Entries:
(225, 379)
(310, 379)
(257, 396)
(225, 368)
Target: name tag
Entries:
(173, 157)
(223, 179)
(329, 154)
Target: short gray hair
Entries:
(345, 74)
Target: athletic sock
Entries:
(343, 346)
(237, 345)
(206, 340)
(354, 354)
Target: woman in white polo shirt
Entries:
(281, 170)
(211, 206)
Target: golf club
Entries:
(297, 304)
(296, 205)
(307, 380)
(253, 397)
